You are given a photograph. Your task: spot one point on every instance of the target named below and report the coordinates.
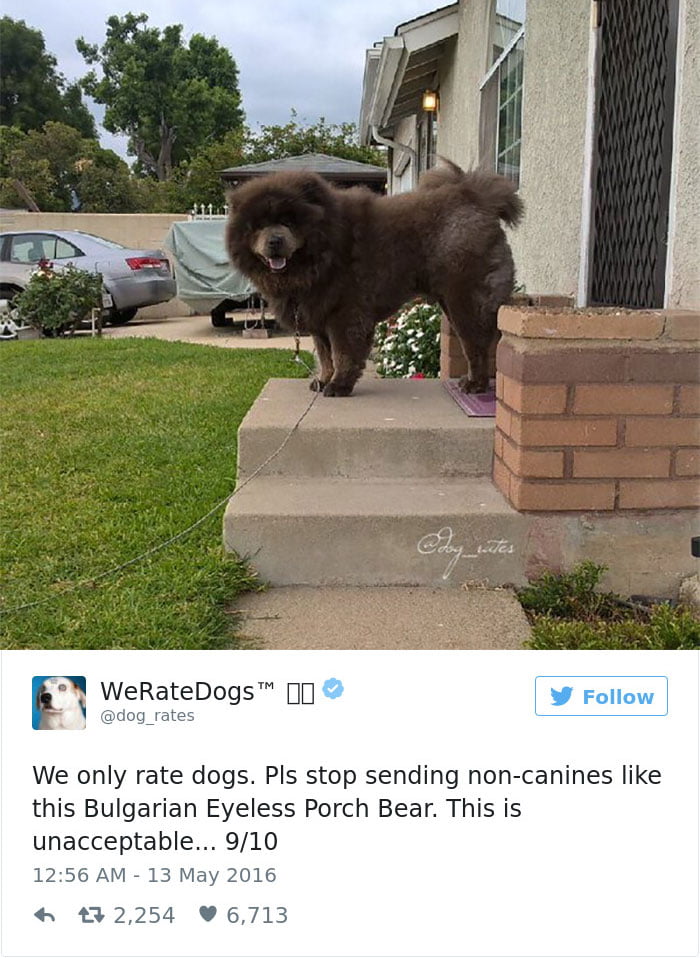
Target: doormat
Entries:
(473, 404)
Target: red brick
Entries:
(499, 385)
(688, 462)
(567, 364)
(682, 324)
(563, 431)
(663, 494)
(663, 366)
(689, 404)
(533, 398)
(562, 496)
(627, 398)
(562, 323)
(503, 418)
(532, 462)
(622, 462)
(658, 431)
(498, 443)
(501, 476)
(505, 357)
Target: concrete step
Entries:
(431, 532)
(388, 428)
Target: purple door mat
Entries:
(473, 404)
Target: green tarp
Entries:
(202, 270)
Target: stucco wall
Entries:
(547, 245)
(460, 76)
(683, 274)
(140, 231)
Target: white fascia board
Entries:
(430, 29)
(392, 65)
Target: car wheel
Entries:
(9, 292)
(219, 319)
(117, 317)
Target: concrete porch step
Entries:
(378, 531)
(388, 428)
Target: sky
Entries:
(303, 54)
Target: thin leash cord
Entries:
(84, 583)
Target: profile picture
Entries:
(59, 703)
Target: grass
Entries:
(110, 447)
(566, 611)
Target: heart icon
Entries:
(207, 912)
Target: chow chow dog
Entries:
(334, 262)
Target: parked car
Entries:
(132, 277)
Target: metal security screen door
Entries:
(633, 145)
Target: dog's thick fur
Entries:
(335, 262)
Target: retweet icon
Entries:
(562, 696)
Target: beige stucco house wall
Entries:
(683, 273)
(547, 245)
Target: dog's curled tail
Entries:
(487, 190)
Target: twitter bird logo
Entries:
(562, 696)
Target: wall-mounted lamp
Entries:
(430, 101)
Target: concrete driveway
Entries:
(198, 329)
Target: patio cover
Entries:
(203, 272)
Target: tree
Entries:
(168, 98)
(64, 171)
(32, 90)
(295, 138)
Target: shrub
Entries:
(566, 612)
(570, 595)
(408, 344)
(665, 628)
(56, 300)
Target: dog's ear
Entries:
(81, 695)
(38, 697)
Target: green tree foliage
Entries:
(63, 171)
(32, 90)
(168, 98)
(199, 181)
(295, 138)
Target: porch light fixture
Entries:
(430, 101)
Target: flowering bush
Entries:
(57, 300)
(408, 344)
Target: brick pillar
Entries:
(598, 409)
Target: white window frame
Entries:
(489, 75)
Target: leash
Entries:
(94, 580)
(297, 342)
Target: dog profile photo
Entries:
(59, 703)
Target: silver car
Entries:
(132, 277)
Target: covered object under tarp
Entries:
(203, 272)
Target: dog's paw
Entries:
(468, 385)
(316, 385)
(337, 389)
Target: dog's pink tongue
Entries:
(277, 263)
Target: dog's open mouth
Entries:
(277, 263)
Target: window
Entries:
(32, 248)
(66, 250)
(502, 91)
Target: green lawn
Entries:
(108, 448)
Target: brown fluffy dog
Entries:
(335, 262)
